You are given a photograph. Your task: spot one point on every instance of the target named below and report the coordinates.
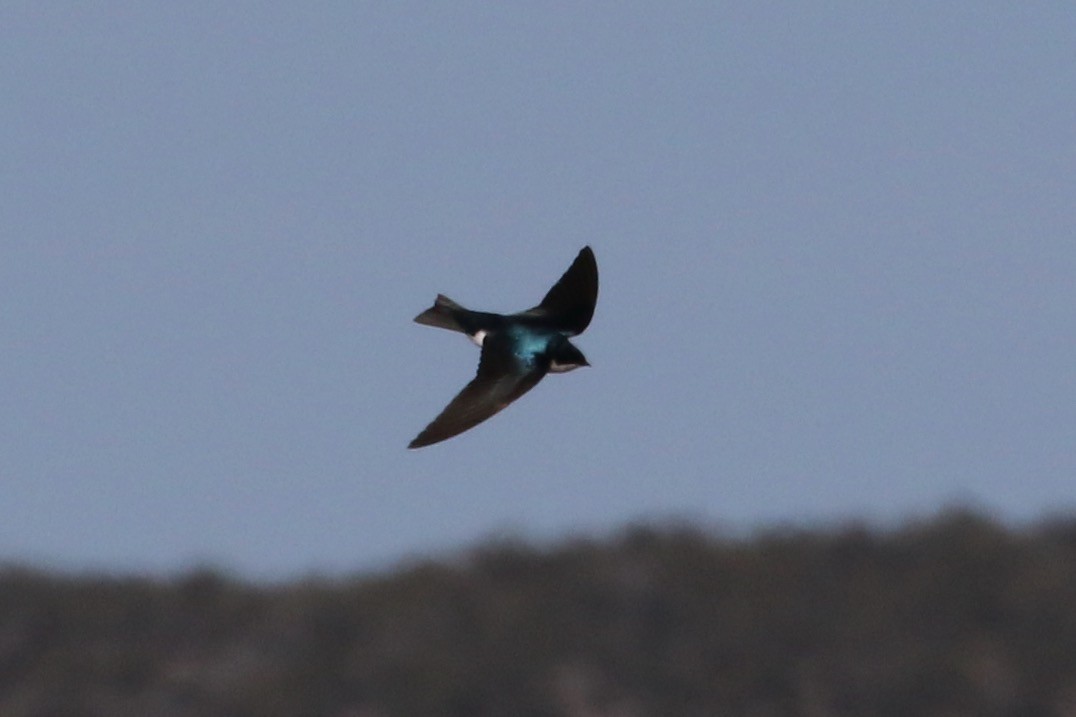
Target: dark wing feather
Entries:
(501, 379)
(569, 305)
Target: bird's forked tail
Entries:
(442, 314)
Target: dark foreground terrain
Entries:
(956, 616)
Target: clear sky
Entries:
(837, 245)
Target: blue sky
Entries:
(837, 246)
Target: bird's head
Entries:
(566, 357)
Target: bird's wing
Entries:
(569, 305)
(502, 378)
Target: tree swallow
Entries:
(517, 349)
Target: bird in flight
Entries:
(517, 349)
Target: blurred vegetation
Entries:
(953, 616)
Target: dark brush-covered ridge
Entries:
(954, 616)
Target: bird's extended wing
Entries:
(502, 378)
(569, 305)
